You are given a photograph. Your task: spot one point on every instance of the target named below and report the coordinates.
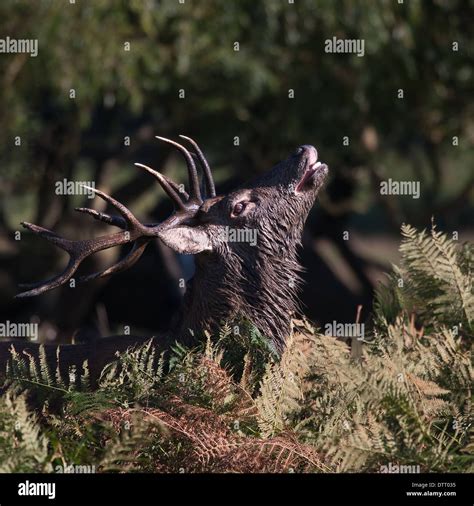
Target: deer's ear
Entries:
(186, 240)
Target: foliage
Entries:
(22, 446)
(128, 60)
(407, 400)
(434, 281)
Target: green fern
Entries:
(23, 446)
(281, 389)
(434, 282)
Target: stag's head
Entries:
(245, 244)
(265, 216)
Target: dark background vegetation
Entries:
(228, 94)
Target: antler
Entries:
(205, 165)
(132, 230)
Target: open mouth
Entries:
(313, 174)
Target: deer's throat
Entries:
(263, 291)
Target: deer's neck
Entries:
(261, 289)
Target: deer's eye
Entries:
(238, 208)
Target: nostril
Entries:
(308, 150)
(312, 153)
(298, 151)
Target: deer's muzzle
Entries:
(314, 172)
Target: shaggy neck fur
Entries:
(260, 283)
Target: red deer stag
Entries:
(245, 246)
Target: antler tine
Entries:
(116, 221)
(127, 261)
(165, 184)
(195, 192)
(124, 211)
(50, 236)
(54, 282)
(178, 188)
(211, 188)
